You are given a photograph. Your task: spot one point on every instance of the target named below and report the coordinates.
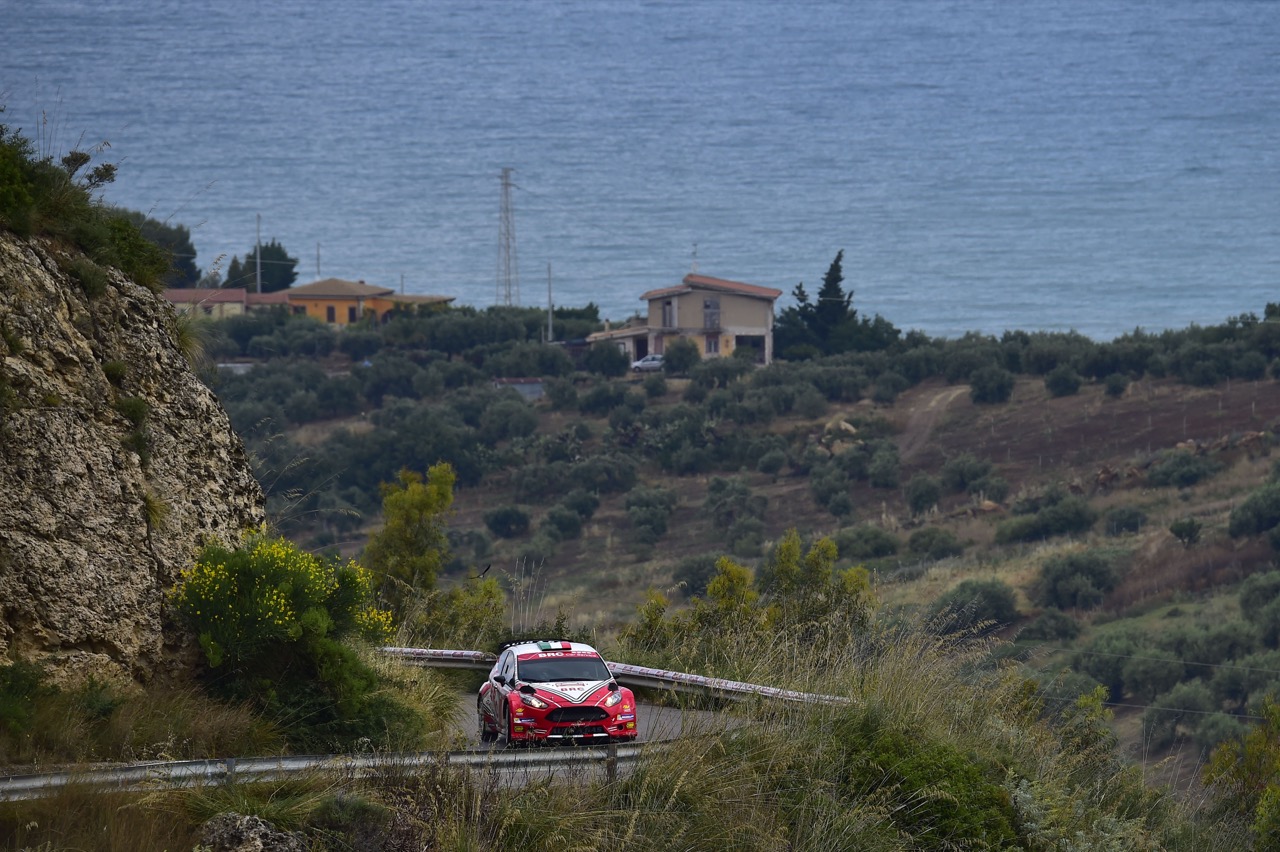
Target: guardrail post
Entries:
(611, 762)
(230, 777)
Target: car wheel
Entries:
(486, 735)
(506, 727)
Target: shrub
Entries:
(976, 601)
(562, 523)
(1062, 380)
(694, 572)
(606, 359)
(1181, 468)
(962, 472)
(1116, 385)
(680, 356)
(1076, 580)
(772, 462)
(923, 493)
(507, 521)
(865, 542)
(115, 371)
(655, 385)
(581, 501)
(561, 394)
(1186, 530)
(1123, 519)
(648, 510)
(270, 620)
(134, 409)
(991, 385)
(1070, 515)
(1051, 625)
(1258, 513)
(934, 543)
(1183, 706)
(602, 399)
(885, 468)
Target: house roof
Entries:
(693, 281)
(204, 295)
(279, 297)
(337, 288)
(416, 298)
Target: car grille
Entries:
(577, 732)
(577, 714)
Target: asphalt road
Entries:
(656, 723)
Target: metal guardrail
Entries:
(175, 775)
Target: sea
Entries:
(984, 165)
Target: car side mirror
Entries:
(613, 685)
(500, 679)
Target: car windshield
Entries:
(553, 669)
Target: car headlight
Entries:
(533, 701)
(614, 698)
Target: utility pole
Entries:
(508, 273)
(317, 261)
(258, 255)
(550, 333)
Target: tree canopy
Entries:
(279, 271)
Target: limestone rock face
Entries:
(116, 465)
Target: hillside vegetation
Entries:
(977, 547)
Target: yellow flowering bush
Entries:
(268, 592)
(271, 620)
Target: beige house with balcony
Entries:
(719, 316)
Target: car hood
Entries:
(574, 691)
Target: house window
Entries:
(711, 313)
(330, 314)
(713, 344)
(351, 314)
(668, 314)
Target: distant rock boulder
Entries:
(116, 465)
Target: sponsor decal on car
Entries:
(624, 717)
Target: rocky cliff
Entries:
(116, 465)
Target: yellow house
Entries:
(719, 315)
(341, 303)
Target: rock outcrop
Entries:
(116, 465)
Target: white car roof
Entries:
(551, 645)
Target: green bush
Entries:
(1259, 512)
(956, 802)
(1123, 519)
(1181, 468)
(655, 385)
(1051, 625)
(134, 409)
(1076, 580)
(934, 543)
(680, 356)
(562, 523)
(772, 462)
(923, 493)
(271, 620)
(865, 542)
(581, 501)
(1116, 385)
(991, 385)
(963, 472)
(606, 359)
(1069, 515)
(974, 602)
(693, 573)
(507, 521)
(1062, 380)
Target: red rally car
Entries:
(554, 692)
